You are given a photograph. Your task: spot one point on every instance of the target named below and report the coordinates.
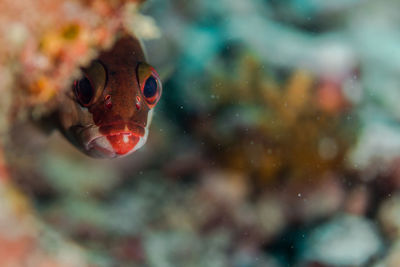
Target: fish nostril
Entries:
(107, 101)
(138, 102)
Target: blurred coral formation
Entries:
(276, 142)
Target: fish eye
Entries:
(150, 88)
(84, 91)
(149, 83)
(91, 85)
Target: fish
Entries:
(107, 111)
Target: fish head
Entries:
(109, 109)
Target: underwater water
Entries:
(276, 142)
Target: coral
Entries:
(43, 44)
(276, 130)
(276, 141)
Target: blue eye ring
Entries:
(149, 83)
(151, 90)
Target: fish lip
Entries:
(117, 128)
(89, 134)
(128, 133)
(89, 145)
(88, 137)
(97, 151)
(102, 152)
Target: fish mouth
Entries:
(115, 144)
(112, 141)
(122, 128)
(99, 147)
(123, 142)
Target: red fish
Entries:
(108, 111)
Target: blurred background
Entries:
(276, 143)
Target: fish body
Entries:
(107, 113)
